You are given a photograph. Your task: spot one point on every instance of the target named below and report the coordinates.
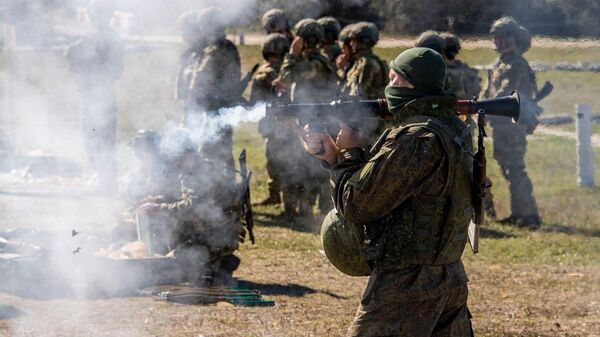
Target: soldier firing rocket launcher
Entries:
(353, 113)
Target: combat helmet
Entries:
(275, 21)
(275, 44)
(452, 45)
(509, 25)
(311, 31)
(432, 40)
(211, 23)
(344, 36)
(342, 244)
(145, 138)
(331, 27)
(366, 33)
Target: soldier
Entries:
(205, 228)
(275, 21)
(209, 80)
(464, 81)
(97, 61)
(274, 49)
(408, 196)
(431, 39)
(153, 178)
(367, 77)
(512, 72)
(344, 61)
(308, 76)
(332, 28)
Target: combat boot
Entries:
(531, 222)
(273, 199)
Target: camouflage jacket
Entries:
(262, 87)
(463, 81)
(214, 75)
(367, 77)
(511, 72)
(310, 75)
(208, 210)
(369, 187)
(97, 59)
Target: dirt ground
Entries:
(312, 298)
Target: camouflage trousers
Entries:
(394, 315)
(510, 146)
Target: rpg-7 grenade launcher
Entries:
(317, 115)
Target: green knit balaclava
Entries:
(425, 69)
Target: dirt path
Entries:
(546, 131)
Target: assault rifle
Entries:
(246, 202)
(353, 113)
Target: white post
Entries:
(585, 154)
(10, 42)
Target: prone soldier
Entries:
(512, 72)
(97, 61)
(411, 198)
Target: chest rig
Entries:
(427, 229)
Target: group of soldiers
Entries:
(410, 194)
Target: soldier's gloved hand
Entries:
(348, 138)
(320, 145)
(297, 46)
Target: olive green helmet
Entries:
(275, 44)
(432, 40)
(310, 29)
(452, 45)
(366, 33)
(508, 25)
(331, 27)
(211, 22)
(275, 21)
(342, 242)
(344, 36)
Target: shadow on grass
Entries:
(558, 228)
(300, 224)
(490, 233)
(293, 290)
(10, 312)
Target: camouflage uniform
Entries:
(332, 29)
(411, 196)
(463, 81)
(280, 165)
(97, 60)
(204, 221)
(512, 72)
(210, 80)
(312, 79)
(367, 77)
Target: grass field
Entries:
(543, 283)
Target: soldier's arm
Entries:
(368, 189)
(293, 66)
